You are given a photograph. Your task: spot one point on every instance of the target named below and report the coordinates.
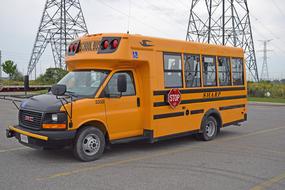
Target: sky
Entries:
(19, 22)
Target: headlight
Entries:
(55, 121)
(54, 117)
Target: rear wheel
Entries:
(89, 144)
(209, 129)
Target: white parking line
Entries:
(13, 149)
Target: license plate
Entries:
(24, 138)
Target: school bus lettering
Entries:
(118, 90)
(89, 46)
(211, 94)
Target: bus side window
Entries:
(112, 89)
(172, 71)
(209, 71)
(224, 71)
(237, 70)
(192, 71)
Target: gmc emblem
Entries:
(28, 118)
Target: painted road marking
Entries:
(270, 182)
(163, 153)
(13, 149)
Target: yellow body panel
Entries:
(122, 117)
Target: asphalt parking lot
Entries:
(248, 157)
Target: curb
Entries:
(266, 104)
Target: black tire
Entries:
(89, 144)
(208, 134)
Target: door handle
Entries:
(138, 102)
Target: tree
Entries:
(18, 76)
(52, 76)
(9, 68)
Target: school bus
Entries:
(122, 88)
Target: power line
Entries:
(62, 21)
(223, 22)
(266, 27)
(278, 7)
(264, 36)
(125, 14)
(165, 18)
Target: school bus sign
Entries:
(174, 98)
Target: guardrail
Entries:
(22, 89)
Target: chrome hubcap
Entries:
(91, 144)
(210, 128)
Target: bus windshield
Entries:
(83, 83)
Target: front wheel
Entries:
(209, 129)
(89, 144)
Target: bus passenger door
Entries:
(123, 111)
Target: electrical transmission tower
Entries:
(264, 71)
(61, 23)
(224, 22)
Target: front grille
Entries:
(30, 119)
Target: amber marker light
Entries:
(54, 126)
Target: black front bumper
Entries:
(42, 139)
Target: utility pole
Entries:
(223, 22)
(264, 71)
(62, 22)
(35, 72)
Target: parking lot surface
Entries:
(251, 156)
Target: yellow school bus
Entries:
(122, 88)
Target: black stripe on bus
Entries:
(158, 104)
(167, 115)
(197, 112)
(232, 107)
(187, 91)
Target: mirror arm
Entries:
(15, 104)
(71, 111)
(69, 115)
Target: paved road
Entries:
(249, 157)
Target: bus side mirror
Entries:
(122, 83)
(58, 89)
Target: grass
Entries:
(272, 100)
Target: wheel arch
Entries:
(214, 113)
(98, 124)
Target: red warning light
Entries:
(105, 44)
(115, 44)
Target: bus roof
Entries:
(90, 48)
(157, 39)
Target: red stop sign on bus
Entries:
(174, 97)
